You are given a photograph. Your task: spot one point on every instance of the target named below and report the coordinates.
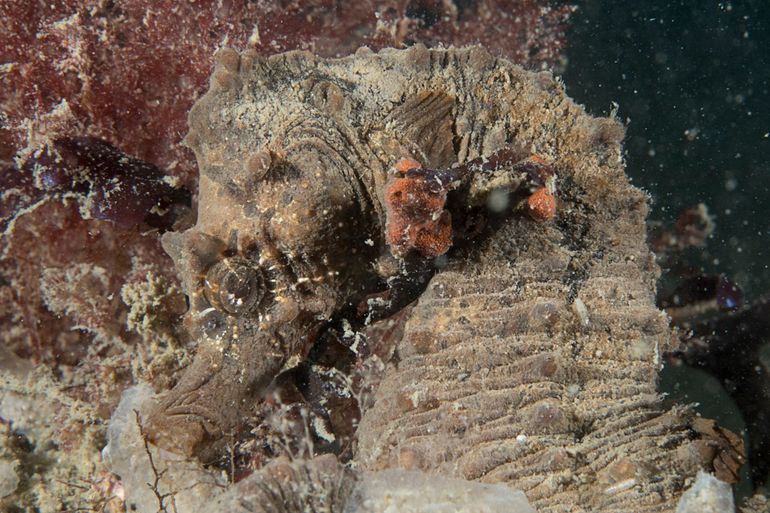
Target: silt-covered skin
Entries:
(531, 356)
(262, 279)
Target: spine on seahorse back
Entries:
(535, 364)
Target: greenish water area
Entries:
(692, 82)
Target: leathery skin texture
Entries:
(530, 357)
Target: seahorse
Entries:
(531, 355)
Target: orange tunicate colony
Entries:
(417, 219)
(542, 205)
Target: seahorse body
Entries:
(530, 358)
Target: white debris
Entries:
(404, 491)
(498, 200)
(622, 486)
(707, 495)
(319, 426)
(581, 311)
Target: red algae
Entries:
(62, 293)
(129, 72)
(126, 73)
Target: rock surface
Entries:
(153, 479)
(408, 491)
(9, 478)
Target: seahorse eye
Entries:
(234, 286)
(213, 324)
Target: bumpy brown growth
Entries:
(531, 358)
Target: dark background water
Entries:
(692, 81)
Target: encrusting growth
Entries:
(416, 215)
(415, 198)
(542, 204)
